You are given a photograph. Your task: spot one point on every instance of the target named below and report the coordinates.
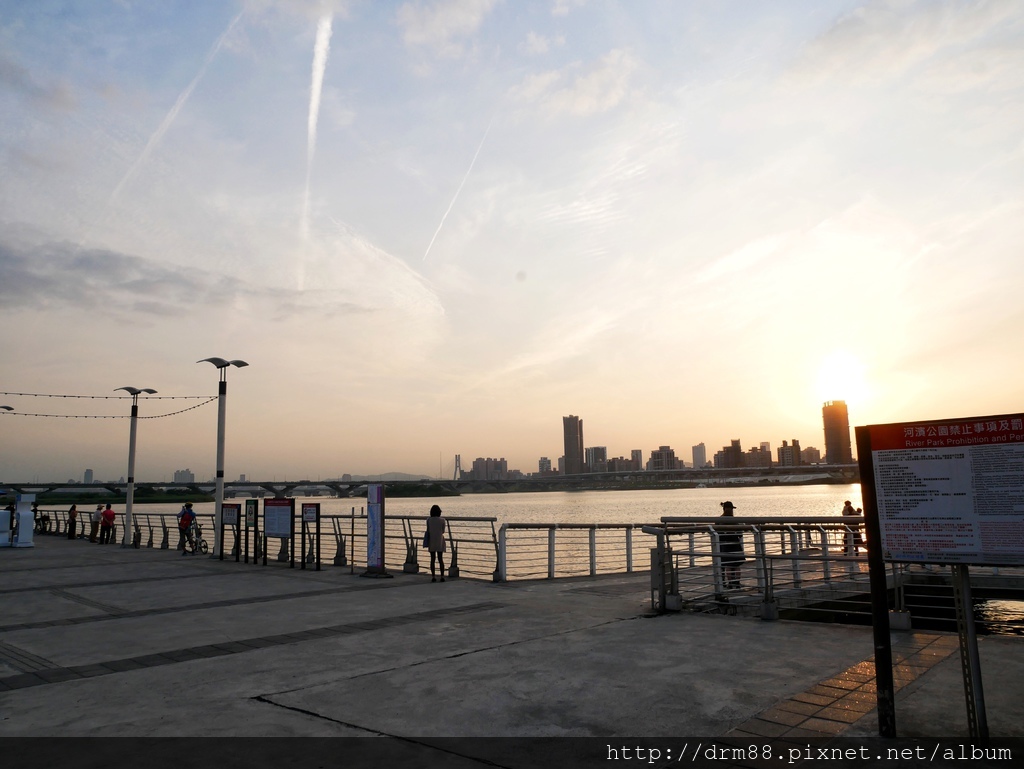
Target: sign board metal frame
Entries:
(230, 514)
(252, 522)
(310, 519)
(950, 492)
(279, 523)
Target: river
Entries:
(640, 506)
(1005, 617)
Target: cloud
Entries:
(442, 26)
(563, 7)
(21, 81)
(579, 91)
(742, 259)
(62, 275)
(883, 40)
(537, 44)
(311, 9)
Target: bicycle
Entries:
(194, 540)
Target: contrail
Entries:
(321, 50)
(162, 129)
(461, 184)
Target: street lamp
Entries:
(130, 497)
(222, 393)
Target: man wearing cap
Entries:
(730, 545)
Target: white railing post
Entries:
(629, 549)
(826, 565)
(716, 562)
(502, 574)
(593, 551)
(759, 556)
(794, 543)
(551, 553)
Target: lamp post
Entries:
(222, 393)
(130, 496)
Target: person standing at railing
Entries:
(94, 521)
(436, 528)
(107, 518)
(854, 539)
(72, 521)
(186, 520)
(730, 545)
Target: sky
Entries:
(437, 227)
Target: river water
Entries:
(640, 506)
(1004, 617)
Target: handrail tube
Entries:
(592, 537)
(502, 573)
(826, 566)
(551, 553)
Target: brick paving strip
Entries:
(829, 707)
(41, 673)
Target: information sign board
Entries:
(230, 513)
(310, 511)
(250, 512)
(277, 517)
(949, 491)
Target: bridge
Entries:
(632, 479)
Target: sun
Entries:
(842, 376)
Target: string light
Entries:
(115, 416)
(108, 397)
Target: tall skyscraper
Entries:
(597, 459)
(88, 477)
(700, 455)
(838, 450)
(637, 457)
(572, 432)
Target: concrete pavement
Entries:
(119, 642)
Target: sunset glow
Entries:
(437, 227)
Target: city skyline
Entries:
(435, 227)
(573, 437)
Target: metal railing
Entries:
(475, 547)
(472, 543)
(551, 550)
(806, 564)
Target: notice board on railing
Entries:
(947, 491)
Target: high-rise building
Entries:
(184, 476)
(810, 456)
(597, 459)
(730, 456)
(572, 432)
(758, 457)
(663, 459)
(838, 450)
(544, 466)
(88, 477)
(700, 455)
(637, 456)
(490, 469)
(621, 465)
(789, 456)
